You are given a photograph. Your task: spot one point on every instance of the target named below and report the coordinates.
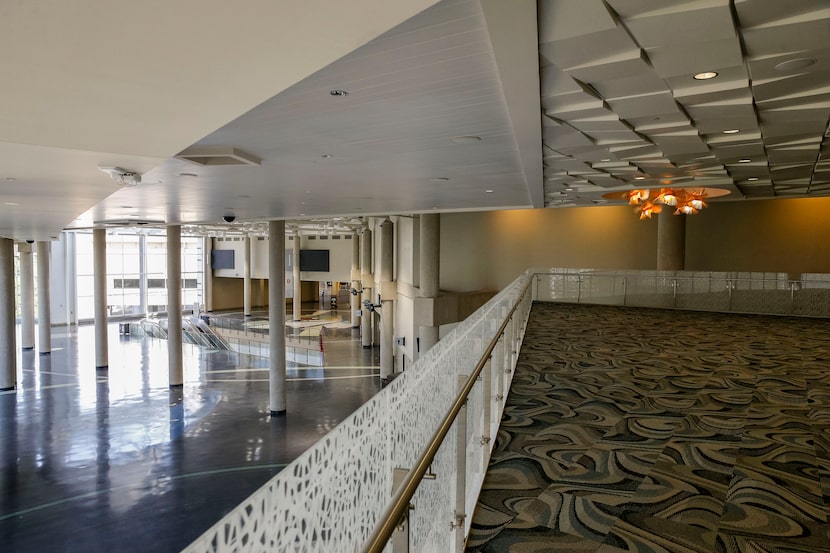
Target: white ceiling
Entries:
(131, 84)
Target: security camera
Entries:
(30, 241)
(229, 218)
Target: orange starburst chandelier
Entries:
(684, 201)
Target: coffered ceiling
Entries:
(622, 107)
(374, 107)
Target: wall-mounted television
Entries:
(314, 260)
(221, 259)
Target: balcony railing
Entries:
(404, 471)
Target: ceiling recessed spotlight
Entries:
(795, 65)
(339, 92)
(606, 159)
(731, 131)
(752, 178)
(706, 75)
(10, 203)
(11, 179)
(489, 191)
(640, 178)
(744, 160)
(188, 175)
(569, 190)
(466, 139)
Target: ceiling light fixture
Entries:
(685, 201)
(569, 190)
(705, 76)
(439, 179)
(744, 160)
(731, 131)
(11, 179)
(752, 178)
(795, 65)
(121, 176)
(10, 203)
(188, 175)
(489, 191)
(339, 92)
(640, 178)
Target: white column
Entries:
(429, 272)
(8, 347)
(387, 313)
(246, 278)
(175, 366)
(27, 297)
(354, 299)
(366, 269)
(276, 316)
(298, 289)
(99, 270)
(207, 250)
(44, 318)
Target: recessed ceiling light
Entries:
(744, 160)
(466, 139)
(706, 75)
(10, 203)
(752, 178)
(731, 131)
(339, 92)
(489, 191)
(188, 175)
(569, 190)
(795, 65)
(639, 178)
(606, 159)
(11, 179)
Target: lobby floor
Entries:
(116, 461)
(662, 431)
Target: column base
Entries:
(278, 413)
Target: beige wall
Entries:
(788, 236)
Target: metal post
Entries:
(460, 516)
(276, 316)
(246, 276)
(400, 539)
(487, 420)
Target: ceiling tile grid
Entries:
(623, 109)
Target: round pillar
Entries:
(671, 241)
(276, 316)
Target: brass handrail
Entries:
(399, 505)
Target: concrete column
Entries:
(354, 299)
(27, 296)
(44, 302)
(366, 270)
(207, 252)
(387, 314)
(246, 278)
(429, 272)
(175, 366)
(276, 316)
(99, 270)
(671, 241)
(8, 347)
(298, 289)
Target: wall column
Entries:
(366, 270)
(298, 289)
(276, 316)
(175, 366)
(246, 278)
(27, 296)
(387, 313)
(8, 347)
(44, 316)
(354, 299)
(207, 252)
(671, 241)
(429, 272)
(99, 271)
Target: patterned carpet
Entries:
(662, 431)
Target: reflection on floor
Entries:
(115, 461)
(659, 431)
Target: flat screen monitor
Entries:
(314, 260)
(221, 259)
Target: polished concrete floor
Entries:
(649, 431)
(116, 461)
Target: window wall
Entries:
(137, 274)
